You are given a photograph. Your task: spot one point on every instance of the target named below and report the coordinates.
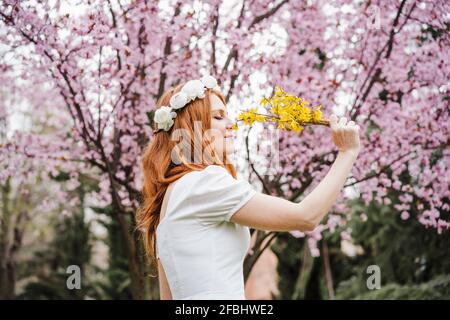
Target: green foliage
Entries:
(150, 116)
(383, 95)
(116, 281)
(436, 289)
(322, 57)
(70, 246)
(371, 126)
(435, 32)
(287, 249)
(301, 275)
(413, 260)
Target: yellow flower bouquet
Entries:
(287, 111)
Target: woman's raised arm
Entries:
(267, 212)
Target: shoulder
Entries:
(212, 169)
(211, 182)
(216, 170)
(212, 177)
(213, 194)
(211, 172)
(197, 182)
(210, 195)
(215, 181)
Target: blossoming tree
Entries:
(94, 70)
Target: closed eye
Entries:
(218, 118)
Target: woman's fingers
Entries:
(342, 121)
(336, 123)
(345, 134)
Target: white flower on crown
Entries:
(178, 100)
(191, 90)
(164, 117)
(194, 89)
(209, 81)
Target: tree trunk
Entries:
(327, 269)
(7, 280)
(10, 242)
(133, 254)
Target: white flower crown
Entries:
(192, 90)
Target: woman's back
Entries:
(201, 251)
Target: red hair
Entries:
(158, 167)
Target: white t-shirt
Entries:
(201, 251)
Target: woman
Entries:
(196, 215)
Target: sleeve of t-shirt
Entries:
(215, 195)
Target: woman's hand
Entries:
(271, 213)
(345, 135)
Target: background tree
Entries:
(95, 70)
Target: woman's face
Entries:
(221, 127)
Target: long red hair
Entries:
(160, 170)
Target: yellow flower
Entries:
(278, 91)
(317, 116)
(254, 110)
(235, 127)
(248, 116)
(260, 118)
(285, 116)
(264, 101)
(295, 126)
(274, 110)
(287, 111)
